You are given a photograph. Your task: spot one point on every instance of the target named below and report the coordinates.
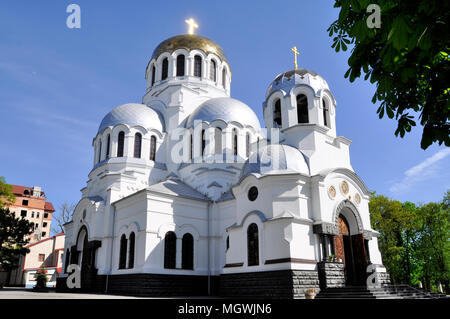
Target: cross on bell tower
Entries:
(294, 49)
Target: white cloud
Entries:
(422, 171)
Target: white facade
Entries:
(147, 191)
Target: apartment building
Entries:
(31, 203)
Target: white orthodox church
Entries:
(189, 196)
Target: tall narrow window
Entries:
(67, 262)
(137, 145)
(153, 75)
(302, 108)
(131, 254)
(224, 77)
(277, 113)
(180, 65)
(120, 143)
(99, 151)
(252, 245)
(247, 145)
(152, 148)
(191, 147)
(165, 69)
(218, 140)
(198, 66)
(203, 142)
(170, 250)
(326, 114)
(212, 71)
(123, 252)
(187, 252)
(235, 142)
(108, 145)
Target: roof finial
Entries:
(192, 25)
(294, 49)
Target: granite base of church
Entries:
(331, 274)
(145, 285)
(286, 284)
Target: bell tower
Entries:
(300, 104)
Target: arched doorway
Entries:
(82, 248)
(350, 248)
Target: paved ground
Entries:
(22, 293)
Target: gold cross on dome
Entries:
(294, 49)
(192, 25)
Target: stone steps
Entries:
(387, 292)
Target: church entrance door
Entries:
(350, 249)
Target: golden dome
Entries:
(189, 42)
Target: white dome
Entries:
(276, 158)
(226, 109)
(133, 114)
(287, 80)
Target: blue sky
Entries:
(56, 84)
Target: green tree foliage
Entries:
(414, 240)
(13, 233)
(407, 58)
(6, 195)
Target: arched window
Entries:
(224, 77)
(235, 142)
(203, 142)
(137, 145)
(247, 144)
(212, 71)
(326, 114)
(108, 145)
(198, 66)
(180, 65)
(218, 140)
(131, 254)
(165, 69)
(153, 75)
(99, 151)
(170, 250)
(187, 252)
(152, 148)
(277, 113)
(120, 143)
(302, 108)
(252, 245)
(123, 252)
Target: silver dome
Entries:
(226, 109)
(133, 114)
(287, 80)
(276, 158)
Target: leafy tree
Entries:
(414, 240)
(433, 245)
(6, 195)
(407, 58)
(13, 233)
(64, 216)
(388, 217)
